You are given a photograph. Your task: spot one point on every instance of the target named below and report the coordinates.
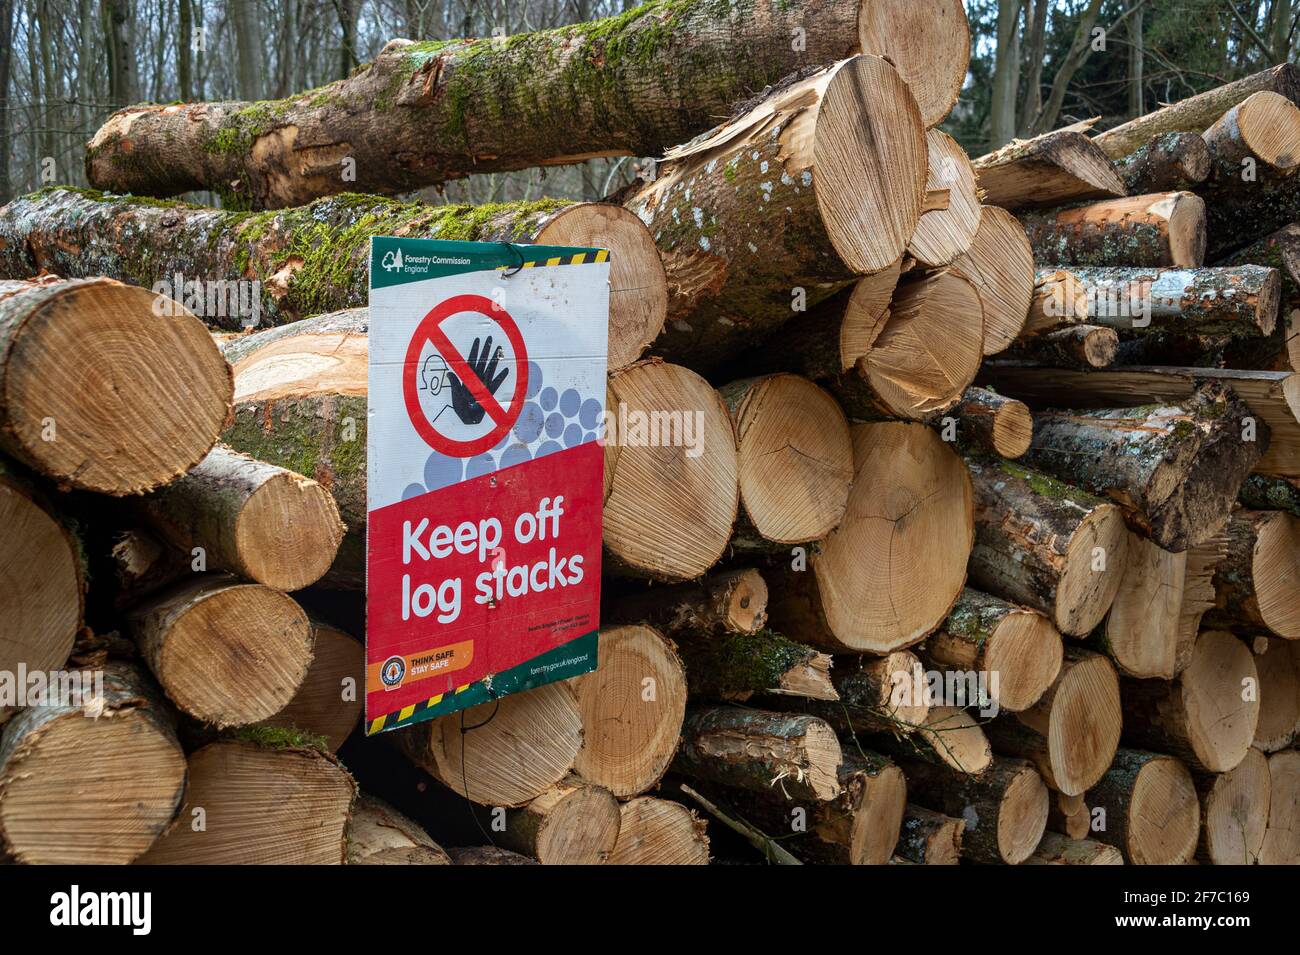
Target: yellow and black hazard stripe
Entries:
(582, 258)
(398, 717)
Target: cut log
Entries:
(930, 838)
(1279, 696)
(994, 424)
(820, 182)
(249, 804)
(659, 832)
(279, 267)
(1059, 298)
(42, 581)
(1234, 812)
(941, 235)
(1075, 346)
(1056, 849)
(487, 855)
(1175, 468)
(1160, 228)
(1282, 836)
(1198, 596)
(1069, 816)
(1044, 544)
(1257, 584)
(254, 519)
(788, 753)
(1207, 716)
(1279, 250)
(870, 695)
(730, 601)
(82, 791)
(1004, 808)
(1000, 263)
(329, 703)
(378, 834)
(794, 458)
(989, 635)
(1171, 162)
(674, 493)
(1273, 397)
(890, 572)
(1048, 170)
(569, 824)
(106, 387)
(632, 708)
(632, 84)
(227, 653)
(1140, 634)
(503, 753)
(949, 736)
(736, 666)
(1146, 806)
(1072, 732)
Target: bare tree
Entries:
(1006, 75)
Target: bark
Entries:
(1048, 170)
(117, 22)
(869, 694)
(1171, 162)
(990, 423)
(1263, 493)
(487, 855)
(1150, 809)
(1074, 346)
(1056, 849)
(1255, 584)
(1281, 350)
(1159, 229)
(730, 601)
(930, 838)
(378, 834)
(736, 666)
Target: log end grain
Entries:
(944, 234)
(323, 705)
(927, 41)
(1235, 812)
(1084, 725)
(659, 832)
(1000, 262)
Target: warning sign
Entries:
(487, 386)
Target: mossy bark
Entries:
(1263, 493)
(1134, 231)
(735, 666)
(730, 601)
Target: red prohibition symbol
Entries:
(430, 330)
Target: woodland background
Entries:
(1035, 65)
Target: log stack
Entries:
(982, 545)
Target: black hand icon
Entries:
(463, 401)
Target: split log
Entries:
(487, 855)
(1018, 649)
(75, 790)
(794, 459)
(570, 824)
(869, 695)
(632, 84)
(42, 581)
(909, 518)
(1072, 732)
(1234, 812)
(1048, 170)
(378, 834)
(943, 234)
(729, 601)
(1257, 584)
(949, 736)
(261, 806)
(1175, 468)
(930, 838)
(1075, 346)
(632, 708)
(1207, 716)
(1197, 113)
(1282, 836)
(329, 703)
(1198, 596)
(1140, 634)
(659, 832)
(253, 519)
(1279, 697)
(820, 182)
(674, 492)
(1161, 228)
(1044, 544)
(1056, 849)
(106, 387)
(736, 666)
(1146, 806)
(279, 267)
(1273, 397)
(519, 746)
(1281, 351)
(228, 653)
(789, 753)
(1000, 263)
(994, 424)
(1005, 807)
(1171, 162)
(1059, 298)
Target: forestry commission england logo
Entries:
(392, 261)
(392, 672)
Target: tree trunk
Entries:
(378, 834)
(227, 653)
(1048, 170)
(157, 399)
(1282, 836)
(79, 791)
(1234, 812)
(739, 239)
(1162, 228)
(730, 601)
(659, 832)
(1149, 809)
(1074, 346)
(329, 703)
(184, 51)
(6, 65)
(1256, 585)
(942, 234)
(736, 666)
(1171, 162)
(990, 423)
(890, 572)
(117, 21)
(1136, 59)
(1006, 74)
(1075, 56)
(1045, 544)
(1000, 264)
(311, 260)
(251, 58)
(1140, 634)
(1056, 849)
(1201, 717)
(930, 838)
(570, 824)
(262, 806)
